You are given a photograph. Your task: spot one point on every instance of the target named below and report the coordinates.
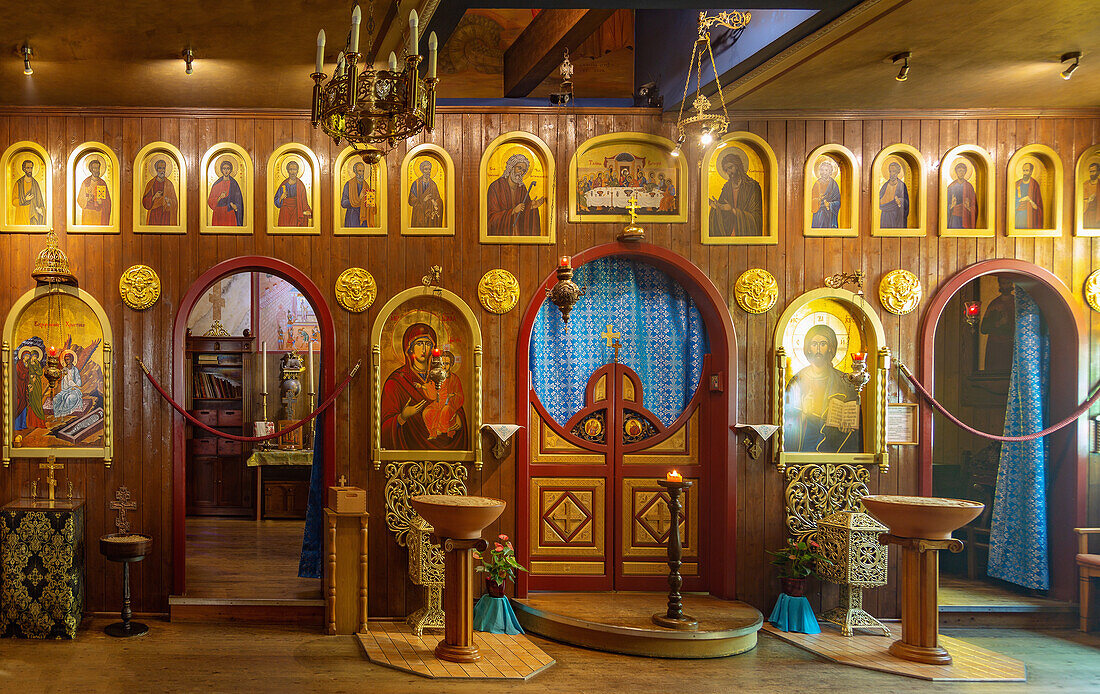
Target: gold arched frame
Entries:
(139, 182)
(985, 187)
(1080, 178)
(917, 199)
(25, 146)
(314, 227)
(8, 415)
(1053, 164)
(627, 138)
(448, 192)
(382, 204)
(535, 143)
(113, 185)
(379, 454)
(770, 198)
(849, 171)
(878, 365)
(245, 179)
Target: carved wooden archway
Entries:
(1068, 481)
(718, 391)
(248, 263)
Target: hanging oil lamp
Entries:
(437, 374)
(859, 378)
(51, 268)
(565, 293)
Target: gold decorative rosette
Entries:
(356, 289)
(139, 286)
(899, 291)
(498, 291)
(756, 290)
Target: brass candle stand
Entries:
(674, 617)
(266, 445)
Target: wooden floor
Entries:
(971, 663)
(503, 657)
(968, 592)
(231, 558)
(622, 622)
(178, 657)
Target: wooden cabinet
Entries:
(285, 498)
(219, 395)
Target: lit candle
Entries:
(393, 62)
(53, 351)
(437, 352)
(564, 262)
(674, 477)
(433, 47)
(859, 356)
(263, 360)
(414, 21)
(311, 390)
(356, 18)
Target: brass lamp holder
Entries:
(755, 436)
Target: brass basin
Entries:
(924, 517)
(458, 517)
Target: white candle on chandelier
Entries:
(393, 62)
(414, 22)
(320, 50)
(311, 390)
(356, 18)
(433, 47)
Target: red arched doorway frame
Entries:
(248, 263)
(1068, 477)
(721, 406)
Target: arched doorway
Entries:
(179, 336)
(712, 409)
(1067, 469)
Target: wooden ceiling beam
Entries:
(538, 50)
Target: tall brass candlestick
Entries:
(674, 617)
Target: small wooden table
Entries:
(345, 572)
(274, 458)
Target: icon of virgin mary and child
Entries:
(419, 413)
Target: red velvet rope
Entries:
(1029, 437)
(249, 439)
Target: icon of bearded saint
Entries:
(408, 392)
(511, 209)
(817, 397)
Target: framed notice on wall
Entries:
(901, 424)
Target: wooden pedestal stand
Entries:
(920, 574)
(457, 645)
(674, 617)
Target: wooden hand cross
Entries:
(123, 504)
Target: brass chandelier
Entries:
(711, 122)
(373, 110)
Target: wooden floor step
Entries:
(246, 611)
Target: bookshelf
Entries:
(219, 393)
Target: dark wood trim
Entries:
(1068, 387)
(248, 263)
(537, 52)
(720, 412)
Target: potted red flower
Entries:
(796, 563)
(498, 564)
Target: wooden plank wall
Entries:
(144, 423)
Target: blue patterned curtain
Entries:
(662, 334)
(1018, 539)
(309, 564)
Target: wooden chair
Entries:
(1088, 567)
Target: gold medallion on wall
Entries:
(355, 289)
(139, 286)
(899, 291)
(756, 290)
(498, 291)
(1092, 290)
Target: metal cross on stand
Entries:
(122, 504)
(610, 336)
(633, 207)
(50, 465)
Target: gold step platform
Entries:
(503, 657)
(971, 663)
(622, 623)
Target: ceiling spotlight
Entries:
(903, 58)
(189, 59)
(1075, 56)
(27, 53)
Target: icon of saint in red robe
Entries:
(407, 393)
(160, 198)
(511, 209)
(1029, 200)
(292, 199)
(94, 197)
(225, 199)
